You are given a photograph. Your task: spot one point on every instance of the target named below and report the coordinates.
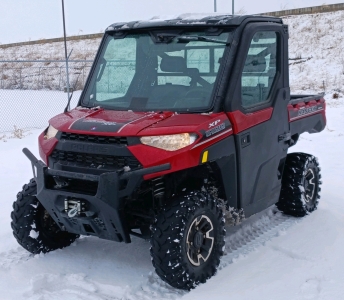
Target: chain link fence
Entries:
(31, 92)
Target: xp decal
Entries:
(220, 130)
(215, 130)
(214, 123)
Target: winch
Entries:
(74, 207)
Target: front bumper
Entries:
(103, 213)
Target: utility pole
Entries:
(215, 9)
(233, 7)
(65, 44)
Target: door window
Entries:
(259, 70)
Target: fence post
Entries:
(60, 78)
(20, 78)
(83, 75)
(42, 78)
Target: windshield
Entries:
(151, 71)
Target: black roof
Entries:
(192, 20)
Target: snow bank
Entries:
(317, 40)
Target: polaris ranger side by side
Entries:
(181, 123)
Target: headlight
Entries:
(51, 132)
(169, 142)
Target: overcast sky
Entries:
(23, 20)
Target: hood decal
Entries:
(97, 125)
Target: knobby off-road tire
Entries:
(300, 185)
(33, 227)
(188, 240)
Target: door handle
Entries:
(245, 140)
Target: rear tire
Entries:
(33, 227)
(188, 240)
(300, 185)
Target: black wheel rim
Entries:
(200, 240)
(309, 186)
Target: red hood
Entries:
(179, 123)
(128, 123)
(94, 121)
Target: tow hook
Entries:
(74, 207)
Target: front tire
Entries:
(33, 227)
(300, 192)
(188, 240)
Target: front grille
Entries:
(97, 139)
(95, 161)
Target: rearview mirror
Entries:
(173, 64)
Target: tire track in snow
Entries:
(241, 240)
(254, 232)
(79, 286)
(14, 257)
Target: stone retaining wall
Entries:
(306, 10)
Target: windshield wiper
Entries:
(195, 38)
(167, 38)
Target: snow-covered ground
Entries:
(269, 256)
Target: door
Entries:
(260, 120)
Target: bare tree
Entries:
(284, 6)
